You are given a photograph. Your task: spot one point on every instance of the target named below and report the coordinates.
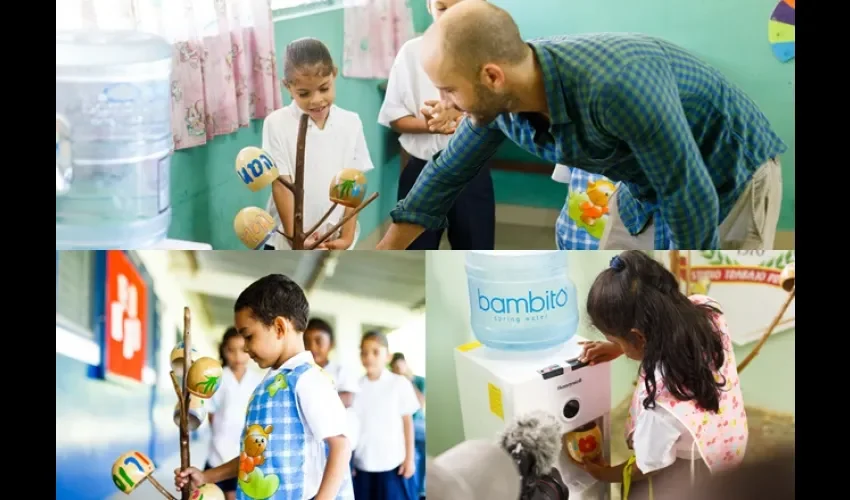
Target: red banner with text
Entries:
(126, 318)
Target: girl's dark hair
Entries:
(307, 55)
(376, 336)
(637, 292)
(228, 334)
(397, 357)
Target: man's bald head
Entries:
(474, 33)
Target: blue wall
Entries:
(122, 415)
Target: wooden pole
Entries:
(184, 407)
(743, 364)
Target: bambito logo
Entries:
(530, 302)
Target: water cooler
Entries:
(496, 386)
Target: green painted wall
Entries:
(206, 194)
(730, 35)
(767, 383)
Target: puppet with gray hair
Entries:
(534, 442)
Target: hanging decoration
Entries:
(781, 30)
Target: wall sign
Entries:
(126, 325)
(744, 282)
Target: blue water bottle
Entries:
(521, 300)
(113, 139)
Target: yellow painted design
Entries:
(780, 32)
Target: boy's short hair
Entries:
(272, 296)
(376, 336)
(321, 325)
(396, 358)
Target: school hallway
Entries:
(114, 393)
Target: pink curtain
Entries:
(225, 70)
(374, 32)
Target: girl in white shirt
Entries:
(412, 109)
(385, 459)
(334, 141)
(319, 340)
(227, 406)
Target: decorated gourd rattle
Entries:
(194, 382)
(254, 226)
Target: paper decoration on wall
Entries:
(780, 30)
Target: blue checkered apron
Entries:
(569, 233)
(274, 418)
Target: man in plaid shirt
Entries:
(695, 160)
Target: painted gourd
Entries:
(204, 377)
(130, 470)
(585, 443)
(348, 188)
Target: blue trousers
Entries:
(419, 432)
(472, 219)
(388, 485)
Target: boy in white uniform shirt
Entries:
(410, 103)
(227, 406)
(319, 340)
(334, 141)
(294, 446)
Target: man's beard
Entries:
(488, 105)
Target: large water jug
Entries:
(521, 300)
(113, 139)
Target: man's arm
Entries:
(643, 108)
(440, 183)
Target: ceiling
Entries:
(397, 278)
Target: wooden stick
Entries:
(161, 489)
(288, 238)
(298, 235)
(345, 219)
(743, 364)
(688, 273)
(184, 408)
(323, 219)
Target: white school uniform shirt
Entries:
(380, 406)
(229, 405)
(407, 90)
(341, 144)
(659, 439)
(346, 380)
(322, 414)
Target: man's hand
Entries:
(399, 236)
(441, 118)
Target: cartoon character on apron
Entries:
(720, 438)
(272, 459)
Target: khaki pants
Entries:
(750, 225)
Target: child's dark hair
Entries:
(376, 336)
(272, 296)
(637, 292)
(398, 356)
(321, 325)
(228, 334)
(307, 55)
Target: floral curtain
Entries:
(224, 72)
(374, 31)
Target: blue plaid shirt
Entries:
(682, 139)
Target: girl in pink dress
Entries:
(687, 415)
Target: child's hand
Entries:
(443, 119)
(337, 244)
(190, 475)
(407, 468)
(599, 352)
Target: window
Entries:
(76, 290)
